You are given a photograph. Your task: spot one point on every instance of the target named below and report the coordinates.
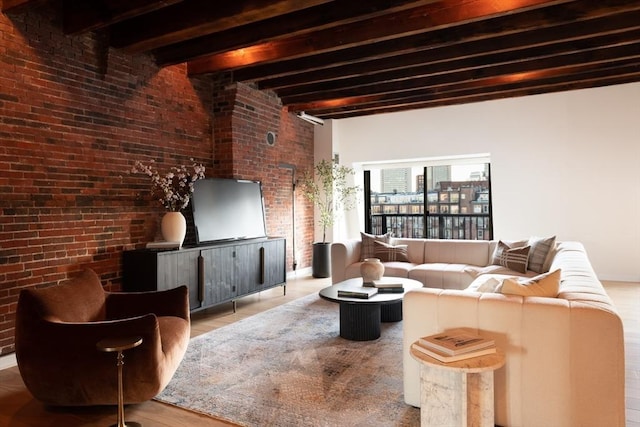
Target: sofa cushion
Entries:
(441, 275)
(415, 248)
(492, 282)
(543, 285)
(476, 271)
(174, 335)
(540, 253)
(386, 252)
(513, 258)
(397, 268)
(367, 249)
(79, 299)
(470, 252)
(485, 283)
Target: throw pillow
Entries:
(543, 285)
(495, 269)
(485, 284)
(386, 252)
(540, 253)
(473, 271)
(513, 258)
(367, 249)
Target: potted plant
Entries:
(327, 187)
(173, 190)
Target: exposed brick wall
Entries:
(242, 117)
(75, 115)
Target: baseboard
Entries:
(618, 278)
(301, 272)
(8, 361)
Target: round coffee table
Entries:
(360, 318)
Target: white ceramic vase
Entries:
(174, 227)
(371, 269)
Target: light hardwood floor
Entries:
(19, 409)
(626, 297)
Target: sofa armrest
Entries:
(343, 254)
(170, 302)
(60, 362)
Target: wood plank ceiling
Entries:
(346, 58)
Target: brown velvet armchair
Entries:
(57, 329)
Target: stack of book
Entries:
(386, 286)
(454, 345)
(359, 292)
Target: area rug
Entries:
(288, 366)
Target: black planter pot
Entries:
(321, 261)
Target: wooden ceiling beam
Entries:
(343, 58)
(16, 6)
(431, 17)
(321, 17)
(507, 91)
(196, 18)
(83, 16)
(459, 62)
(492, 88)
(549, 78)
(532, 65)
(564, 38)
(512, 25)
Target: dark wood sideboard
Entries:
(214, 274)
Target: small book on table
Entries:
(360, 292)
(388, 285)
(445, 358)
(456, 341)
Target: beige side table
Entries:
(119, 345)
(457, 393)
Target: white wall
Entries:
(566, 164)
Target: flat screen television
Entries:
(228, 209)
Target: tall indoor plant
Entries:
(327, 187)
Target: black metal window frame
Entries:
(426, 224)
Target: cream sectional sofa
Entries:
(445, 264)
(564, 356)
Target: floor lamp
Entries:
(293, 210)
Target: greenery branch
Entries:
(327, 187)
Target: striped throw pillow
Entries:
(367, 249)
(539, 254)
(387, 253)
(515, 259)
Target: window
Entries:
(454, 193)
(390, 209)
